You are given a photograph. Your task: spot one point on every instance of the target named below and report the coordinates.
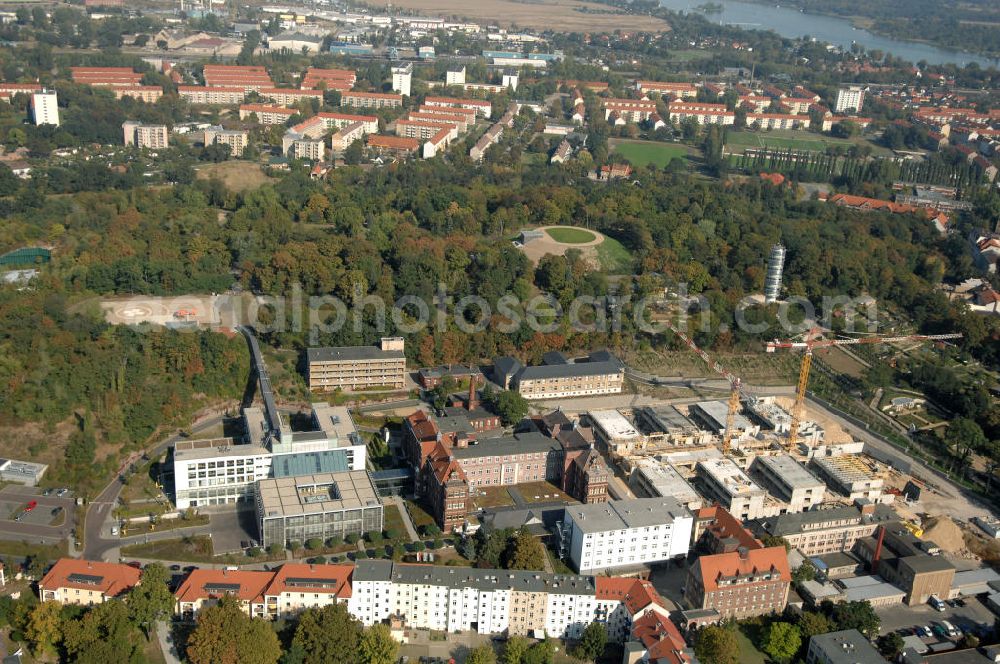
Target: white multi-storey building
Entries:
(145, 136)
(221, 471)
(726, 482)
(788, 480)
(849, 99)
(402, 78)
(626, 533)
(45, 108)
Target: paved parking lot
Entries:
(966, 617)
(34, 525)
(231, 527)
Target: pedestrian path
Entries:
(407, 522)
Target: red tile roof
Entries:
(757, 561)
(662, 639)
(637, 594)
(112, 579)
(210, 583)
(393, 142)
(330, 579)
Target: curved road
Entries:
(95, 544)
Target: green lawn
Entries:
(614, 257)
(749, 654)
(793, 139)
(570, 235)
(645, 153)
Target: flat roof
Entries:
(848, 646)
(613, 423)
(311, 494)
(624, 514)
(493, 579)
(351, 354)
(790, 472)
(216, 447)
(718, 413)
(335, 421)
(667, 481)
(668, 418)
(794, 523)
(731, 477)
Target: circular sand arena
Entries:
(557, 240)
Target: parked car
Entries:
(175, 568)
(32, 504)
(924, 631)
(62, 492)
(48, 492)
(936, 602)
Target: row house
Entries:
(630, 110)
(755, 103)
(289, 96)
(371, 100)
(777, 121)
(702, 113)
(666, 89)
(86, 582)
(481, 107)
(266, 115)
(8, 90)
(198, 94)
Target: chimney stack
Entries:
(473, 404)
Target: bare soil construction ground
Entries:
(535, 249)
(236, 175)
(565, 15)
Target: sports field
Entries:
(644, 153)
(570, 235)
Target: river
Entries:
(792, 23)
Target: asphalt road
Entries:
(98, 540)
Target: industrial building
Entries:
(850, 476)
(726, 483)
(788, 480)
(357, 367)
(906, 561)
(317, 506)
(626, 533)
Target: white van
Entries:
(936, 602)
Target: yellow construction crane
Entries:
(808, 344)
(735, 384)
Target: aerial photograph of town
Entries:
(500, 332)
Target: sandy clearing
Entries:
(535, 249)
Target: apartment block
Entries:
(673, 90)
(266, 115)
(310, 149)
(105, 76)
(236, 139)
(341, 120)
(357, 367)
(626, 533)
(776, 121)
(344, 137)
(289, 96)
(402, 78)
(203, 588)
(329, 79)
(219, 96)
(789, 481)
(145, 136)
(318, 506)
(395, 146)
(656, 479)
(149, 94)
(481, 107)
(702, 113)
(247, 76)
(629, 110)
(371, 100)
(424, 130)
(826, 531)
(849, 99)
(45, 108)
(86, 582)
(726, 483)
